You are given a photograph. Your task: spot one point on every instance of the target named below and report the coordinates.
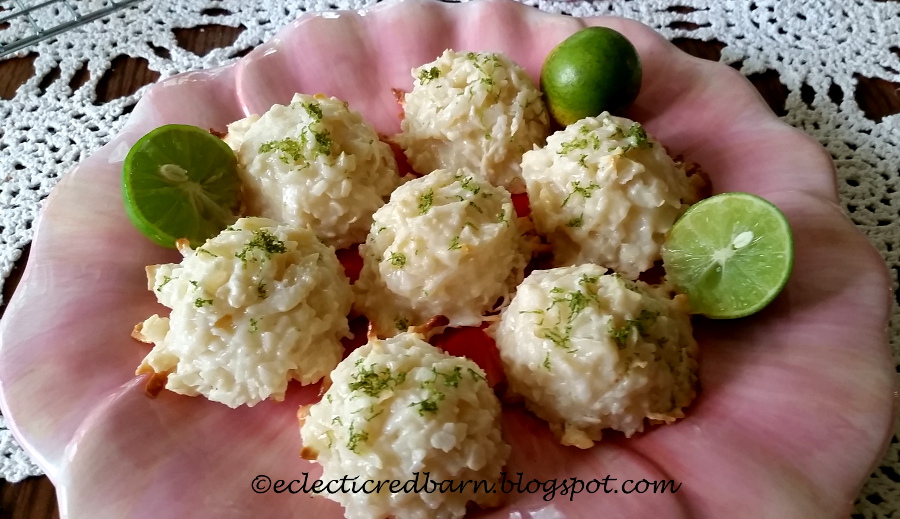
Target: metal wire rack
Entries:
(28, 26)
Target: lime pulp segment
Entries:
(731, 254)
(180, 181)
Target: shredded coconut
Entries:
(473, 111)
(314, 163)
(445, 244)
(605, 192)
(252, 309)
(590, 351)
(398, 407)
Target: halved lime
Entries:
(180, 181)
(731, 254)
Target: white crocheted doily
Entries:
(822, 51)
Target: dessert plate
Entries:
(796, 403)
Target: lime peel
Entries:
(593, 71)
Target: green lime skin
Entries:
(593, 71)
(731, 254)
(180, 182)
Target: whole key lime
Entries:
(180, 181)
(594, 70)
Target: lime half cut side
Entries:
(179, 182)
(731, 254)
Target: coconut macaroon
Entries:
(473, 111)
(314, 163)
(445, 244)
(603, 191)
(253, 308)
(589, 351)
(401, 409)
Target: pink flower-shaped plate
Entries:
(796, 404)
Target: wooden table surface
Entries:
(35, 497)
